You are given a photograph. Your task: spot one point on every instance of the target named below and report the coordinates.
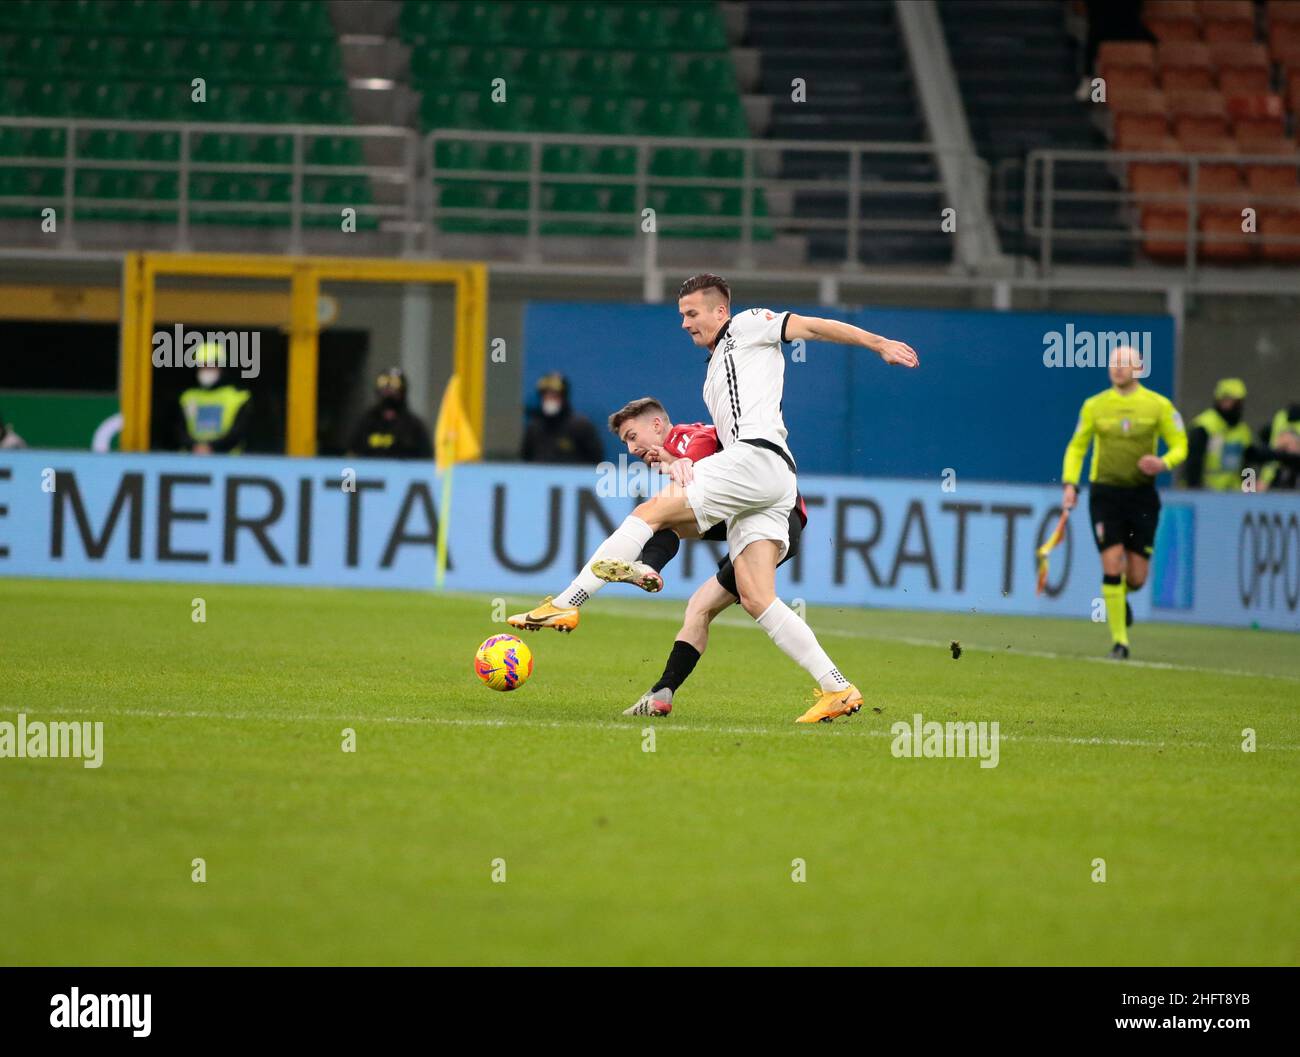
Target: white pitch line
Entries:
(906, 640)
(573, 724)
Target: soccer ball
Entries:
(503, 662)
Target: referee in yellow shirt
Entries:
(1124, 424)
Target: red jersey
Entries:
(695, 441)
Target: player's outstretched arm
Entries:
(812, 328)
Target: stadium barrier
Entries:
(1230, 560)
(1051, 186)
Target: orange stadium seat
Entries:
(1272, 179)
(1156, 180)
(1239, 55)
(1227, 20)
(1184, 66)
(1257, 117)
(1128, 79)
(1172, 20)
(1293, 89)
(1115, 55)
(1244, 82)
(1282, 11)
(1222, 237)
(1164, 232)
(1283, 39)
(1198, 115)
(1283, 221)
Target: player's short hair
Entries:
(705, 281)
(634, 409)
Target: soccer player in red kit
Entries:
(644, 427)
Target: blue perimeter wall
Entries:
(524, 530)
(981, 403)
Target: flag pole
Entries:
(444, 519)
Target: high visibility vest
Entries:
(209, 413)
(1225, 454)
(1282, 423)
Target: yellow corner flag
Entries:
(454, 441)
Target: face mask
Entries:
(209, 376)
(552, 406)
(1231, 416)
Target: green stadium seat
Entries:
(616, 161)
(456, 154)
(700, 24)
(432, 65)
(148, 57)
(506, 157)
(463, 195)
(82, 16)
(258, 61)
(109, 145)
(13, 182)
(720, 119)
(46, 183)
(622, 202)
(676, 161)
(314, 61)
(164, 187)
(194, 19)
(144, 18)
(478, 23)
(162, 102)
(104, 100)
(160, 146)
(96, 57)
(37, 56)
(273, 150)
(513, 114)
(645, 24)
(27, 16)
(11, 144)
(429, 20)
(270, 105)
(248, 18)
(709, 74)
(112, 184)
(481, 66)
(564, 158)
(449, 109)
(47, 143)
(726, 163)
(223, 148)
(664, 117)
(651, 72)
(302, 19)
(610, 116)
(326, 106)
(598, 72)
(46, 99)
(200, 58)
(542, 70)
(510, 198)
(571, 198)
(556, 113)
(335, 150)
(592, 25)
(219, 104)
(535, 25)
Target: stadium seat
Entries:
(1184, 66)
(1113, 55)
(1172, 20)
(1280, 222)
(534, 25)
(1283, 40)
(1222, 239)
(1198, 115)
(1227, 20)
(1164, 232)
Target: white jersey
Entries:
(746, 377)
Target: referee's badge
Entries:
(1126, 424)
(1100, 529)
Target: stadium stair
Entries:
(1017, 67)
(858, 88)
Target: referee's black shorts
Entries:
(1125, 516)
(727, 572)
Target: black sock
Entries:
(660, 549)
(681, 662)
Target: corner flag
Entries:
(454, 441)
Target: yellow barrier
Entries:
(304, 275)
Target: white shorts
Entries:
(751, 489)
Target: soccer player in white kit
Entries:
(749, 484)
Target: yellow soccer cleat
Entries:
(617, 571)
(831, 704)
(546, 615)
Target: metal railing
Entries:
(1044, 193)
(289, 176)
(760, 179)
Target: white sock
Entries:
(626, 543)
(796, 639)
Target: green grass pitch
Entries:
(223, 742)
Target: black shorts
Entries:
(1126, 516)
(727, 572)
